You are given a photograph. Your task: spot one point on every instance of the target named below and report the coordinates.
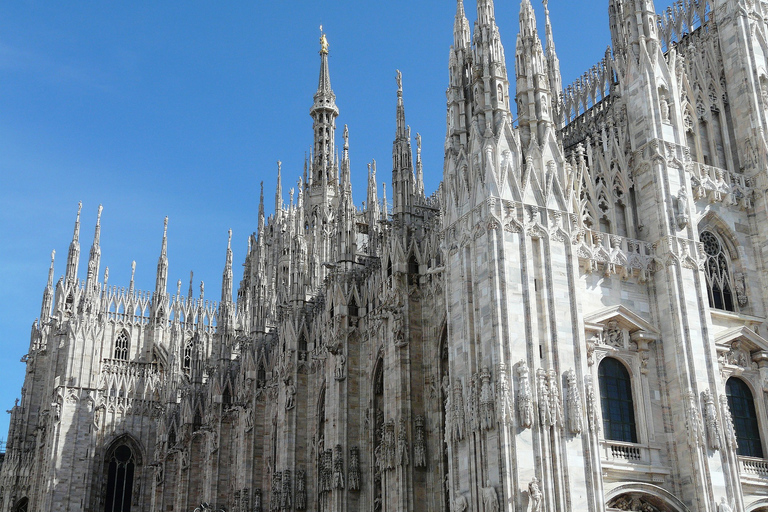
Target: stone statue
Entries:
(723, 506)
(534, 494)
(490, 499)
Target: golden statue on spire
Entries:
(323, 42)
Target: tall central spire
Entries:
(324, 113)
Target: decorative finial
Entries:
(133, 269)
(346, 137)
(53, 255)
(229, 242)
(418, 142)
(98, 217)
(399, 79)
(178, 288)
(323, 42)
(165, 227)
(106, 276)
(202, 289)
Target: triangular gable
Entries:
(743, 334)
(626, 319)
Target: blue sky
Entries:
(182, 108)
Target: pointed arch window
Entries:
(186, 362)
(719, 288)
(261, 376)
(353, 309)
(22, 505)
(121, 346)
(120, 479)
(744, 417)
(616, 400)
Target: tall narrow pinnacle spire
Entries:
(461, 34)
(261, 210)
(73, 257)
(553, 63)
(50, 270)
(279, 191)
(226, 280)
(45, 310)
(402, 158)
(133, 274)
(95, 255)
(324, 113)
(162, 263)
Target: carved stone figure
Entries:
(592, 412)
(612, 335)
(534, 494)
(403, 458)
(354, 469)
(574, 403)
(338, 468)
(723, 506)
(730, 433)
(545, 415)
(274, 502)
(524, 396)
(490, 498)
(290, 395)
(505, 413)
(257, 500)
(390, 447)
(286, 498)
(301, 490)
(420, 444)
(339, 371)
(457, 422)
(693, 420)
(487, 402)
(460, 503)
(710, 416)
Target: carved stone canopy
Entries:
(742, 349)
(608, 325)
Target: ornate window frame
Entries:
(743, 353)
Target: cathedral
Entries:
(576, 320)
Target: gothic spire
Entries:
(261, 210)
(534, 98)
(324, 113)
(402, 158)
(490, 85)
(279, 191)
(73, 257)
(419, 169)
(95, 255)
(553, 63)
(162, 263)
(461, 34)
(45, 310)
(133, 274)
(226, 280)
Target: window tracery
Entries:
(717, 270)
(121, 346)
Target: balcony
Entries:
(643, 462)
(753, 470)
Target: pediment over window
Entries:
(620, 317)
(741, 347)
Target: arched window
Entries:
(616, 400)
(717, 273)
(121, 346)
(22, 505)
(120, 479)
(186, 362)
(744, 418)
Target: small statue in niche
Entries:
(339, 372)
(682, 209)
(290, 394)
(534, 494)
(490, 498)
